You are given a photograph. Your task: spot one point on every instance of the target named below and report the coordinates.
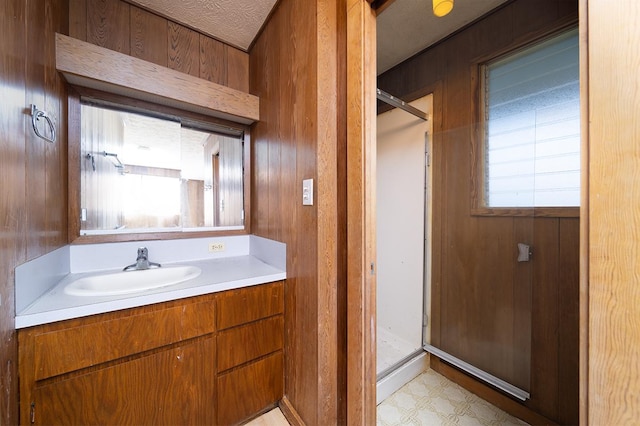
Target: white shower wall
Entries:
(400, 231)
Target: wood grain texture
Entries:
(213, 60)
(108, 25)
(614, 212)
(78, 19)
(13, 119)
(361, 201)
(544, 334)
(158, 39)
(481, 296)
(568, 321)
(248, 342)
(55, 175)
(111, 364)
(35, 146)
(74, 348)
(244, 305)
(184, 49)
(297, 139)
(583, 375)
(90, 65)
(147, 41)
(170, 387)
(32, 206)
(327, 216)
(237, 69)
(342, 304)
(249, 389)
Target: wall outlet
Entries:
(216, 247)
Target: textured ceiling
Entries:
(236, 22)
(409, 26)
(403, 29)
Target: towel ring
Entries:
(36, 114)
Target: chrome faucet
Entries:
(142, 261)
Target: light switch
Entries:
(307, 192)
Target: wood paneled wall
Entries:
(611, 339)
(294, 71)
(33, 172)
(483, 300)
(128, 29)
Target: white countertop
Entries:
(217, 275)
(245, 260)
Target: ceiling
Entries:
(407, 27)
(236, 22)
(403, 29)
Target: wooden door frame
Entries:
(361, 232)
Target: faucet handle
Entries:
(143, 252)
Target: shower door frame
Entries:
(427, 218)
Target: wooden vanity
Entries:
(210, 359)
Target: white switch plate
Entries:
(307, 192)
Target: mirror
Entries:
(144, 172)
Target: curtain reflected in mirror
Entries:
(141, 173)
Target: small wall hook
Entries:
(524, 252)
(36, 114)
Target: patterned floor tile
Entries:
(431, 399)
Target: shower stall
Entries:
(402, 247)
(492, 312)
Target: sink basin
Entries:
(136, 281)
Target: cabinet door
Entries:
(171, 386)
(247, 390)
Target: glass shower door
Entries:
(401, 172)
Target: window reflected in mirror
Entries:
(145, 173)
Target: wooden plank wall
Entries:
(128, 29)
(484, 301)
(612, 235)
(294, 65)
(33, 219)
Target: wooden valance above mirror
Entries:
(87, 65)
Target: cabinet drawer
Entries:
(248, 304)
(245, 343)
(249, 389)
(170, 387)
(68, 349)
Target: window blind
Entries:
(532, 108)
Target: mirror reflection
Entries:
(142, 173)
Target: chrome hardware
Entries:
(142, 261)
(36, 114)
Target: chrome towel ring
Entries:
(36, 114)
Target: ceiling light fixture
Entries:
(442, 7)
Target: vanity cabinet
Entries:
(168, 363)
(250, 358)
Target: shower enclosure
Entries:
(402, 250)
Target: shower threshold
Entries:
(401, 373)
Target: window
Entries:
(532, 126)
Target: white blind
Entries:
(533, 126)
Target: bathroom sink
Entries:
(136, 281)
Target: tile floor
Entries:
(431, 399)
(271, 418)
(428, 400)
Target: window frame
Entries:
(479, 205)
(75, 96)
